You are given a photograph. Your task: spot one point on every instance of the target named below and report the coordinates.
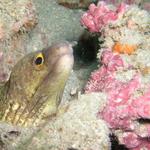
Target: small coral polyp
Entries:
(124, 71)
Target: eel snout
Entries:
(66, 56)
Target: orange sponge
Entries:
(124, 48)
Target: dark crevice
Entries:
(143, 120)
(115, 143)
(85, 52)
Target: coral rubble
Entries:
(124, 71)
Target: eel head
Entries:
(36, 85)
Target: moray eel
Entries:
(34, 90)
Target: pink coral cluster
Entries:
(99, 16)
(122, 110)
(103, 78)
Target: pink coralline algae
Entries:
(122, 110)
(99, 16)
(103, 78)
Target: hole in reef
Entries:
(85, 56)
(143, 120)
(86, 49)
(115, 144)
(5, 136)
(14, 133)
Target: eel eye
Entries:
(39, 60)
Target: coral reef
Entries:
(124, 72)
(54, 23)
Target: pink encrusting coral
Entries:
(122, 110)
(104, 79)
(99, 16)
